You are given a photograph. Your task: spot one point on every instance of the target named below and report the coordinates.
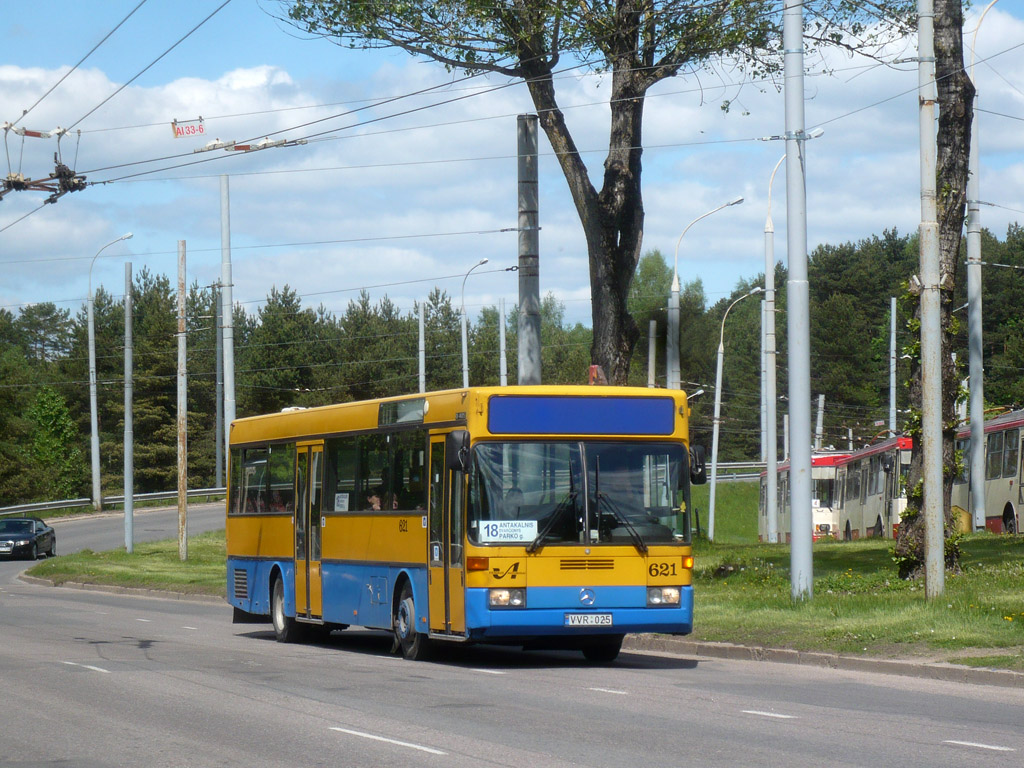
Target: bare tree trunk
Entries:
(956, 108)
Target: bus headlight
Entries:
(507, 598)
(657, 596)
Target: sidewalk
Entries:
(922, 668)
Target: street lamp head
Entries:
(482, 262)
(125, 236)
(755, 289)
(815, 132)
(737, 201)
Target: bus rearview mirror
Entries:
(456, 450)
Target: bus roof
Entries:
(1003, 421)
(459, 407)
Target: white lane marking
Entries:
(195, 628)
(390, 741)
(487, 671)
(769, 714)
(609, 690)
(87, 666)
(976, 745)
(145, 621)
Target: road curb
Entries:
(134, 591)
(927, 670)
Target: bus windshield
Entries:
(539, 493)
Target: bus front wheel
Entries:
(285, 628)
(603, 650)
(414, 645)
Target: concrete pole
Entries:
(465, 345)
(672, 337)
(718, 411)
(652, 351)
(229, 311)
(423, 350)
(770, 394)
(502, 358)
(799, 334)
(819, 427)
(976, 387)
(764, 381)
(218, 335)
(94, 426)
(182, 413)
(892, 365)
(931, 339)
(529, 252)
(849, 438)
(785, 437)
(129, 431)
(94, 419)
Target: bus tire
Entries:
(286, 630)
(603, 650)
(1009, 521)
(414, 645)
(848, 533)
(879, 530)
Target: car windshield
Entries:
(537, 493)
(15, 526)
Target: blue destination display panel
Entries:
(514, 414)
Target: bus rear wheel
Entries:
(285, 628)
(603, 650)
(414, 645)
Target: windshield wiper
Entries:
(556, 515)
(619, 515)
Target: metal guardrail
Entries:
(45, 506)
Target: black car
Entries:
(27, 537)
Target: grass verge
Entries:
(154, 565)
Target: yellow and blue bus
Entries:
(542, 516)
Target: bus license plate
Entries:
(588, 619)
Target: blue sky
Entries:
(409, 202)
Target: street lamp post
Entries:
(770, 419)
(97, 501)
(465, 352)
(718, 410)
(672, 338)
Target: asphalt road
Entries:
(95, 680)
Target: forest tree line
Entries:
(290, 355)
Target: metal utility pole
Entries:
(529, 252)
(182, 413)
(764, 377)
(502, 359)
(129, 431)
(975, 359)
(218, 336)
(94, 419)
(229, 312)
(819, 427)
(799, 329)
(423, 351)
(892, 365)
(931, 330)
(770, 393)
(465, 341)
(652, 351)
(718, 411)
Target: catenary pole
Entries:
(218, 336)
(652, 351)
(182, 413)
(892, 365)
(931, 340)
(502, 358)
(798, 316)
(529, 252)
(94, 419)
(129, 431)
(975, 358)
(423, 350)
(770, 388)
(229, 313)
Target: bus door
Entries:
(445, 555)
(308, 493)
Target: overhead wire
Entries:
(79, 63)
